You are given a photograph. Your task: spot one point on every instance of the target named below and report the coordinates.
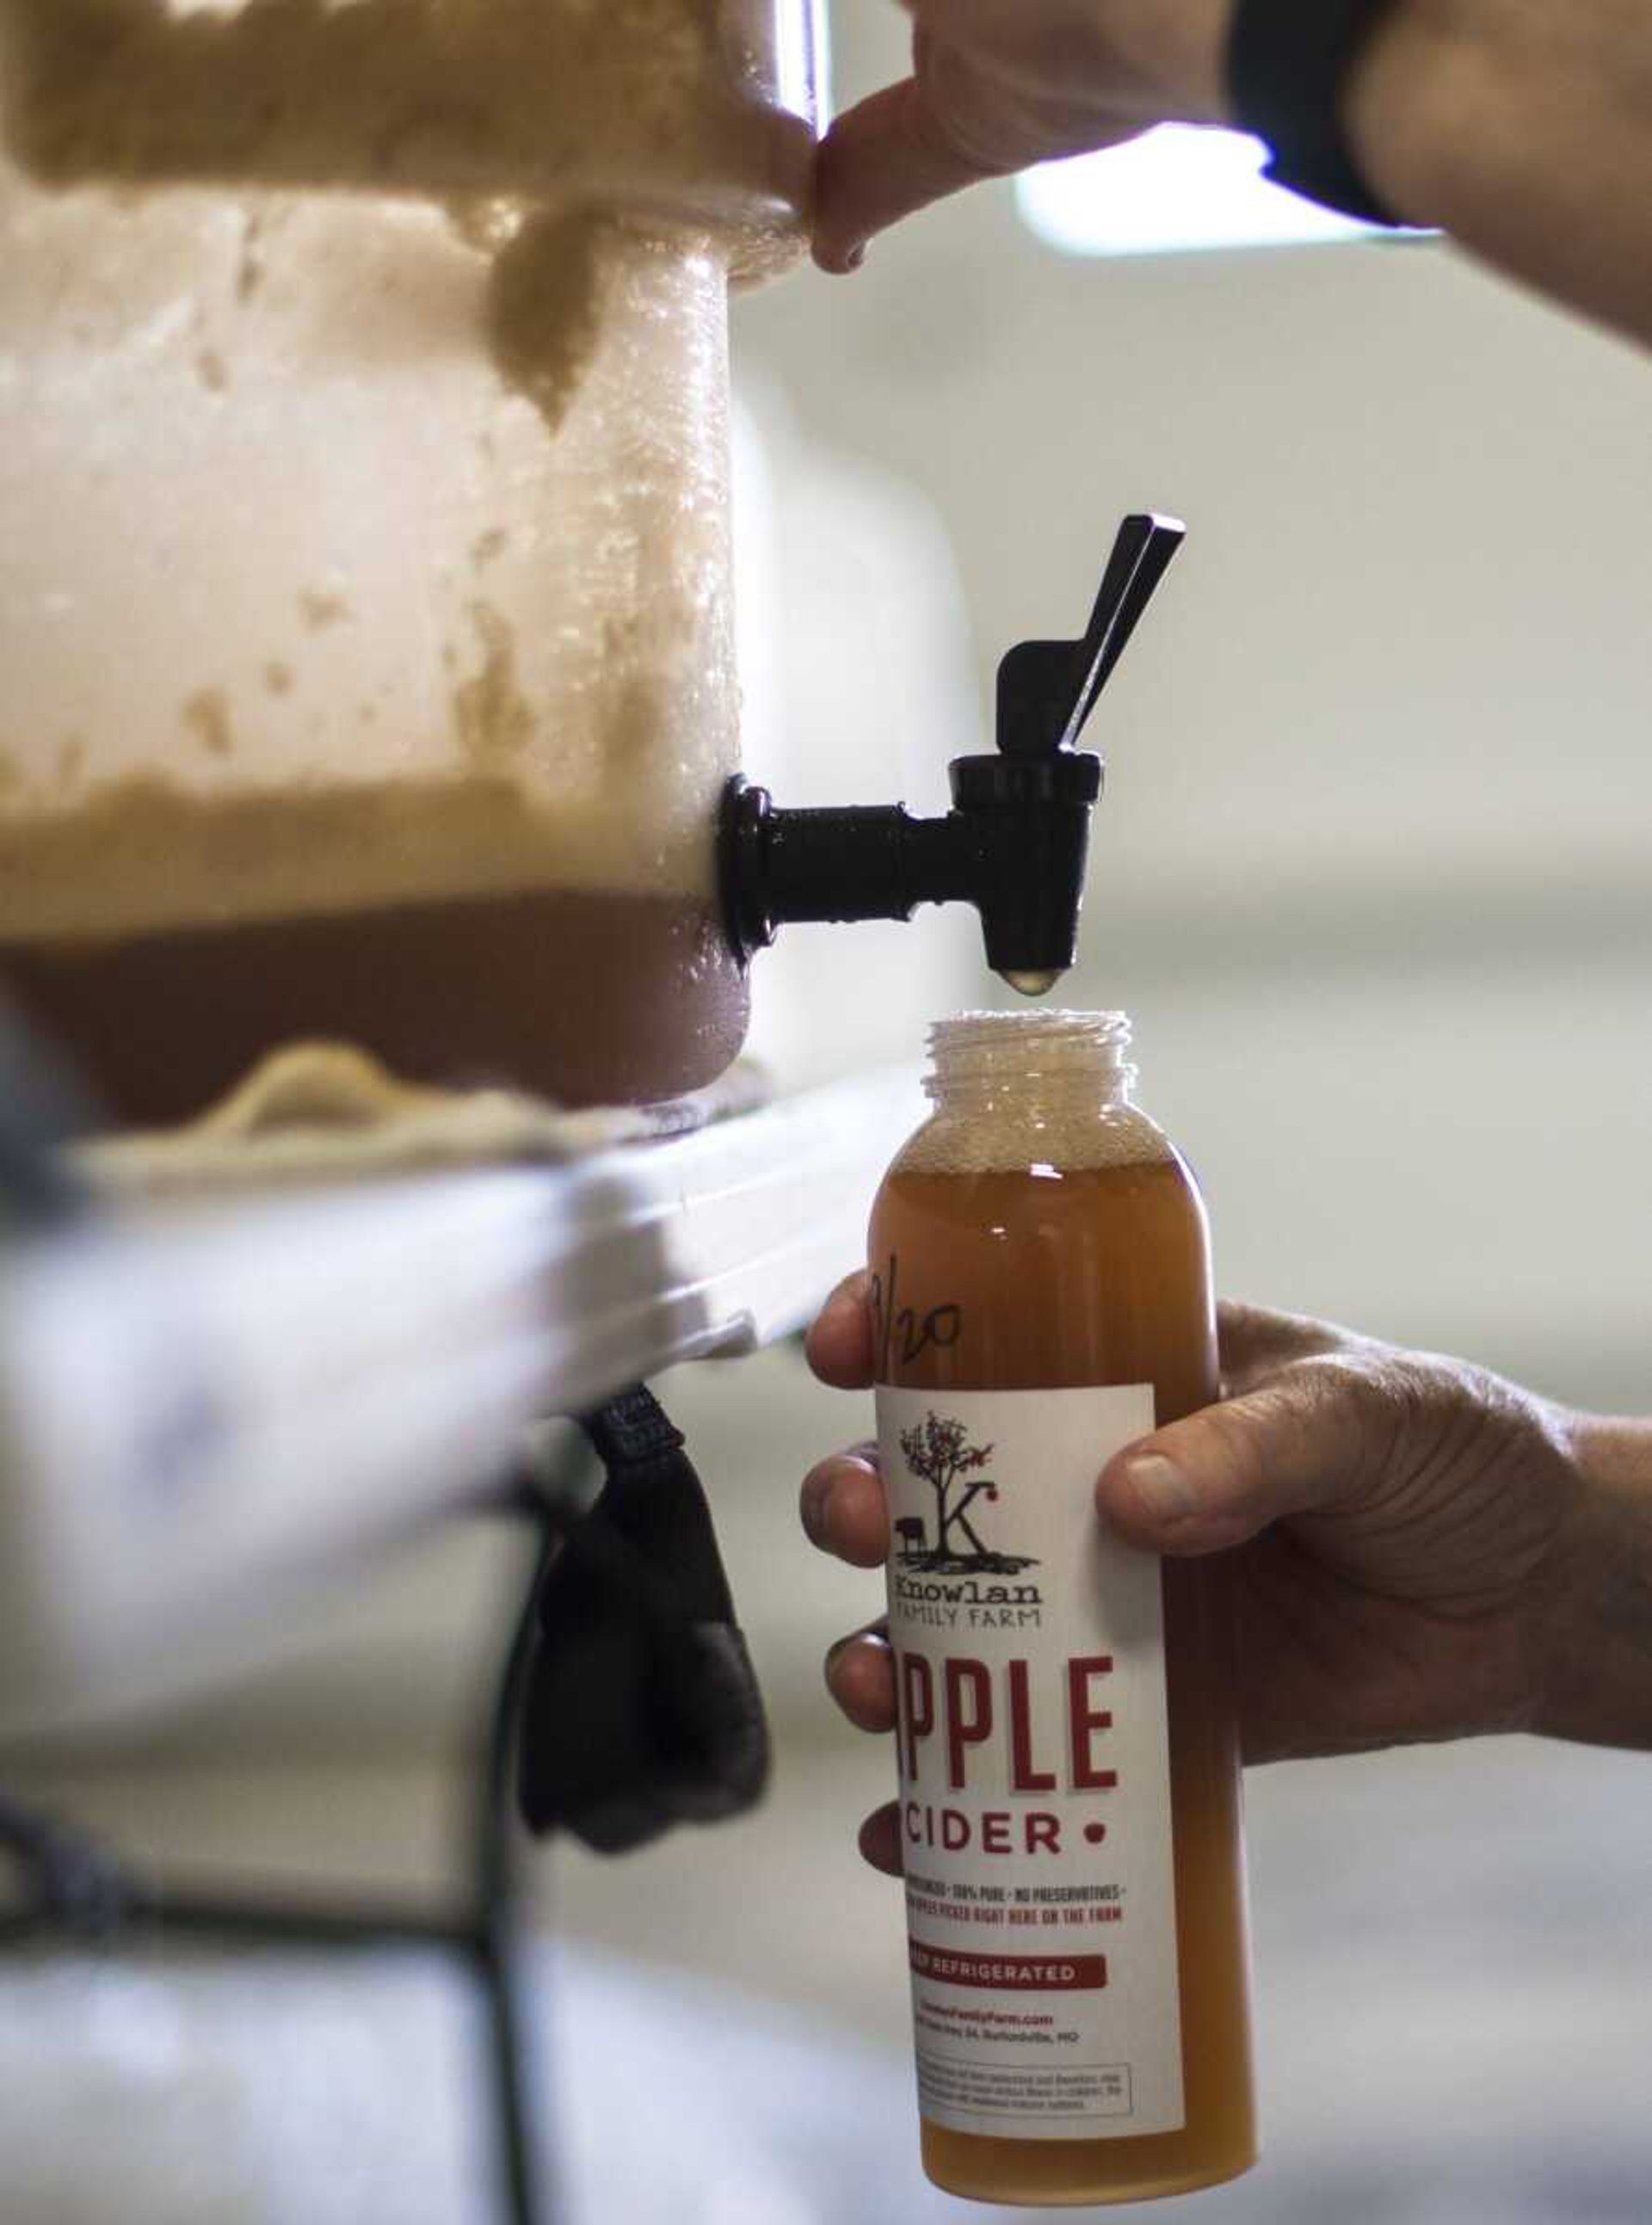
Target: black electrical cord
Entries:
(529, 2196)
(640, 1566)
(74, 1891)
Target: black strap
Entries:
(1289, 63)
(642, 1709)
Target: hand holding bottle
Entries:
(1424, 1551)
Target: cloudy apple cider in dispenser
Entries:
(1069, 1799)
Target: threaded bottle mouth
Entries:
(998, 1052)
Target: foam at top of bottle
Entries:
(1030, 1040)
(1014, 1090)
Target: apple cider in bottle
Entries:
(1069, 1792)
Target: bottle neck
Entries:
(987, 1064)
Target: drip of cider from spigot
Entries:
(1031, 984)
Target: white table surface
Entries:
(203, 1407)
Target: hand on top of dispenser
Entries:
(999, 85)
(1424, 1551)
(1522, 128)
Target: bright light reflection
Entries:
(802, 58)
(1173, 191)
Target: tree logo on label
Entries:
(938, 1452)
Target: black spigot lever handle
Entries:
(1047, 689)
(1015, 841)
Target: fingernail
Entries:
(1166, 1491)
(855, 257)
(816, 1496)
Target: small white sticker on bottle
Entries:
(1035, 1814)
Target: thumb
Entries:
(1308, 1444)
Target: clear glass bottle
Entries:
(1070, 1805)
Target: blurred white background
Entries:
(1372, 878)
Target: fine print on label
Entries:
(1035, 1822)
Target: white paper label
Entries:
(1035, 1824)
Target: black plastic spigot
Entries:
(1017, 838)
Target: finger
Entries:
(839, 1345)
(1256, 1341)
(880, 1840)
(843, 1509)
(860, 1676)
(882, 160)
(1307, 1445)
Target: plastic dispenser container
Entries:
(365, 586)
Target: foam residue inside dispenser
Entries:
(454, 621)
